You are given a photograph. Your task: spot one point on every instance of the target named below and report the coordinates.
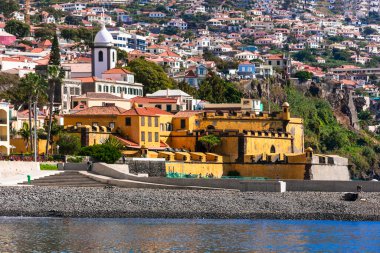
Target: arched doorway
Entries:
(272, 149)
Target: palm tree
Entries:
(25, 134)
(55, 78)
(34, 88)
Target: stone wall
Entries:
(152, 167)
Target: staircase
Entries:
(66, 179)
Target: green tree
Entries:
(17, 28)
(210, 141)
(24, 132)
(304, 56)
(214, 89)
(54, 79)
(369, 31)
(55, 55)
(151, 75)
(69, 144)
(33, 89)
(185, 87)
(45, 32)
(102, 153)
(7, 7)
(303, 76)
(122, 57)
(341, 55)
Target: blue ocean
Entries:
(177, 235)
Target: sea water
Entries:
(185, 235)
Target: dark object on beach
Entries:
(359, 188)
(89, 166)
(350, 196)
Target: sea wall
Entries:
(154, 167)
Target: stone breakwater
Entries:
(153, 203)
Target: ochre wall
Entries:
(195, 168)
(272, 171)
(19, 143)
(295, 127)
(102, 120)
(257, 145)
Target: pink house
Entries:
(6, 38)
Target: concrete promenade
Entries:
(164, 203)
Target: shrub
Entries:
(233, 173)
(69, 144)
(48, 167)
(102, 153)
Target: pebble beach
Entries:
(39, 201)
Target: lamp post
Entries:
(35, 130)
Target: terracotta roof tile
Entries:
(101, 110)
(186, 114)
(145, 111)
(142, 100)
(117, 71)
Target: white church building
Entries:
(106, 77)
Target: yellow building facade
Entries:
(253, 144)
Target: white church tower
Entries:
(104, 55)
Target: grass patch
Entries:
(48, 167)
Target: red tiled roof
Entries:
(117, 71)
(125, 142)
(86, 79)
(186, 114)
(143, 100)
(145, 111)
(99, 95)
(101, 110)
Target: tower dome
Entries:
(103, 38)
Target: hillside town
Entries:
(215, 88)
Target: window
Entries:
(111, 125)
(72, 91)
(278, 63)
(118, 90)
(99, 88)
(159, 106)
(113, 57)
(149, 121)
(169, 108)
(156, 121)
(156, 137)
(183, 123)
(64, 90)
(100, 56)
(273, 149)
(95, 124)
(112, 89)
(150, 136)
(142, 136)
(128, 121)
(269, 62)
(142, 121)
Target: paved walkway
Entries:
(23, 177)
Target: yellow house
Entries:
(143, 126)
